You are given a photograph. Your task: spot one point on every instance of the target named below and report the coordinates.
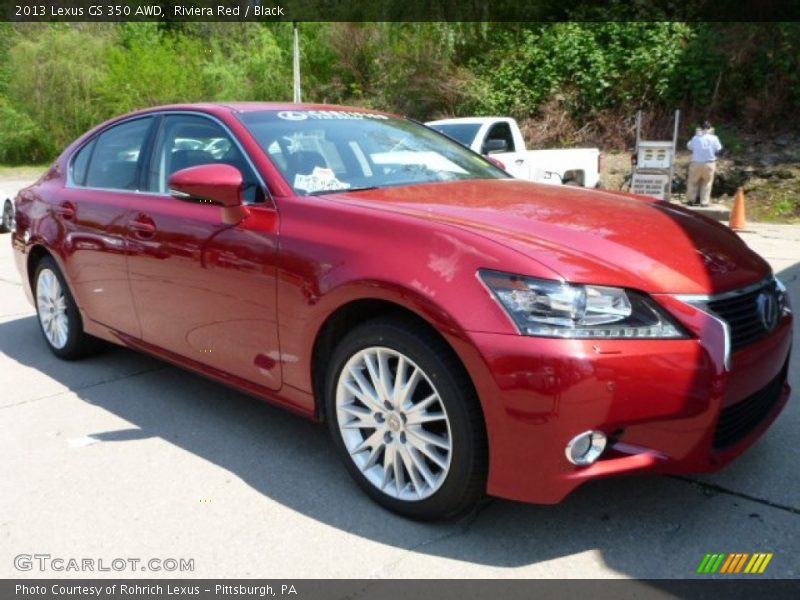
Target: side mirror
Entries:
(490, 146)
(218, 184)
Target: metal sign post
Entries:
(674, 151)
(655, 163)
(298, 95)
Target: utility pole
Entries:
(298, 95)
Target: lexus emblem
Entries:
(768, 310)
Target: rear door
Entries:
(102, 185)
(204, 290)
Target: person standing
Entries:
(704, 146)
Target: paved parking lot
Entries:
(123, 456)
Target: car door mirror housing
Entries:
(218, 184)
(490, 146)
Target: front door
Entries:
(514, 161)
(205, 290)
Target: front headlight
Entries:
(555, 309)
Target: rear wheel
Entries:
(406, 421)
(59, 318)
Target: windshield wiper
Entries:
(343, 190)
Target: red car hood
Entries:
(587, 236)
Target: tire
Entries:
(58, 315)
(436, 434)
(7, 220)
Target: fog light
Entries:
(586, 448)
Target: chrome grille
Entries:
(743, 311)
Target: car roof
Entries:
(244, 107)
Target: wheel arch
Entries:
(35, 255)
(351, 314)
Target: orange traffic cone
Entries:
(737, 221)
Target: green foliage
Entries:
(245, 63)
(58, 80)
(151, 67)
(730, 140)
(54, 82)
(20, 141)
(6, 41)
(587, 67)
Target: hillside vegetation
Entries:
(567, 83)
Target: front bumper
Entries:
(658, 401)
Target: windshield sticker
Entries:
(320, 179)
(302, 115)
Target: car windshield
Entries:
(327, 151)
(461, 132)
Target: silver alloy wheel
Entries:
(52, 305)
(393, 423)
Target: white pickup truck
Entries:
(500, 138)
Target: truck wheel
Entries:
(574, 178)
(406, 421)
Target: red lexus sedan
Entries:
(460, 332)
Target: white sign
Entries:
(648, 184)
(654, 155)
(320, 180)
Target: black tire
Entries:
(464, 484)
(7, 221)
(78, 343)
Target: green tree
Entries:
(54, 80)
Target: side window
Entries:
(80, 162)
(116, 157)
(502, 131)
(187, 141)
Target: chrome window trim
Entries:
(71, 184)
(70, 163)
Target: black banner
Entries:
(396, 10)
(301, 589)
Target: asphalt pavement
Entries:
(121, 456)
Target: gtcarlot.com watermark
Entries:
(59, 564)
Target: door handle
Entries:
(66, 210)
(519, 161)
(143, 227)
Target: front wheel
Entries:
(406, 420)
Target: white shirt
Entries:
(704, 147)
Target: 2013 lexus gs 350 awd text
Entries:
(460, 332)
